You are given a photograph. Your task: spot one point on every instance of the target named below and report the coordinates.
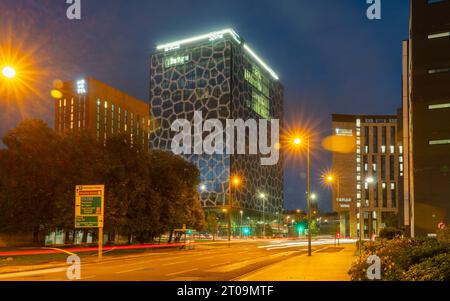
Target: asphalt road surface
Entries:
(212, 262)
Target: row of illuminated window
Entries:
(80, 122)
(377, 199)
(375, 139)
(261, 105)
(123, 119)
(382, 165)
(256, 79)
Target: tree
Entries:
(147, 193)
(212, 224)
(30, 178)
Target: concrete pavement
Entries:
(326, 264)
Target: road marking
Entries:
(174, 263)
(61, 250)
(129, 271)
(33, 273)
(182, 272)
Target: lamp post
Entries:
(297, 141)
(242, 215)
(262, 196)
(234, 181)
(369, 180)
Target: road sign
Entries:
(89, 206)
(441, 226)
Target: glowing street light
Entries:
(263, 197)
(236, 182)
(296, 141)
(9, 72)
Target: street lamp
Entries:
(263, 197)
(9, 72)
(296, 142)
(234, 181)
(242, 215)
(369, 180)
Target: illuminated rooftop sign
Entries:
(81, 87)
(212, 36)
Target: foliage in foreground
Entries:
(424, 259)
(147, 193)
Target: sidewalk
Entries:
(326, 264)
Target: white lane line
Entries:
(174, 263)
(33, 273)
(129, 271)
(182, 272)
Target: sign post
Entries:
(89, 210)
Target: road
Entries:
(211, 262)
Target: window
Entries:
(113, 109)
(435, 1)
(98, 119)
(393, 135)
(439, 35)
(375, 139)
(119, 119)
(439, 142)
(393, 196)
(71, 113)
(439, 106)
(392, 168)
(260, 92)
(383, 168)
(385, 203)
(439, 70)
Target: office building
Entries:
(368, 191)
(426, 113)
(91, 105)
(219, 75)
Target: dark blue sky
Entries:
(330, 57)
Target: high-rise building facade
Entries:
(426, 114)
(94, 106)
(369, 180)
(219, 75)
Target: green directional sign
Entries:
(89, 203)
(86, 222)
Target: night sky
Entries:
(330, 57)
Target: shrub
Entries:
(398, 256)
(444, 235)
(436, 268)
(390, 233)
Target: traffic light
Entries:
(246, 231)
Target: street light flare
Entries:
(9, 72)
